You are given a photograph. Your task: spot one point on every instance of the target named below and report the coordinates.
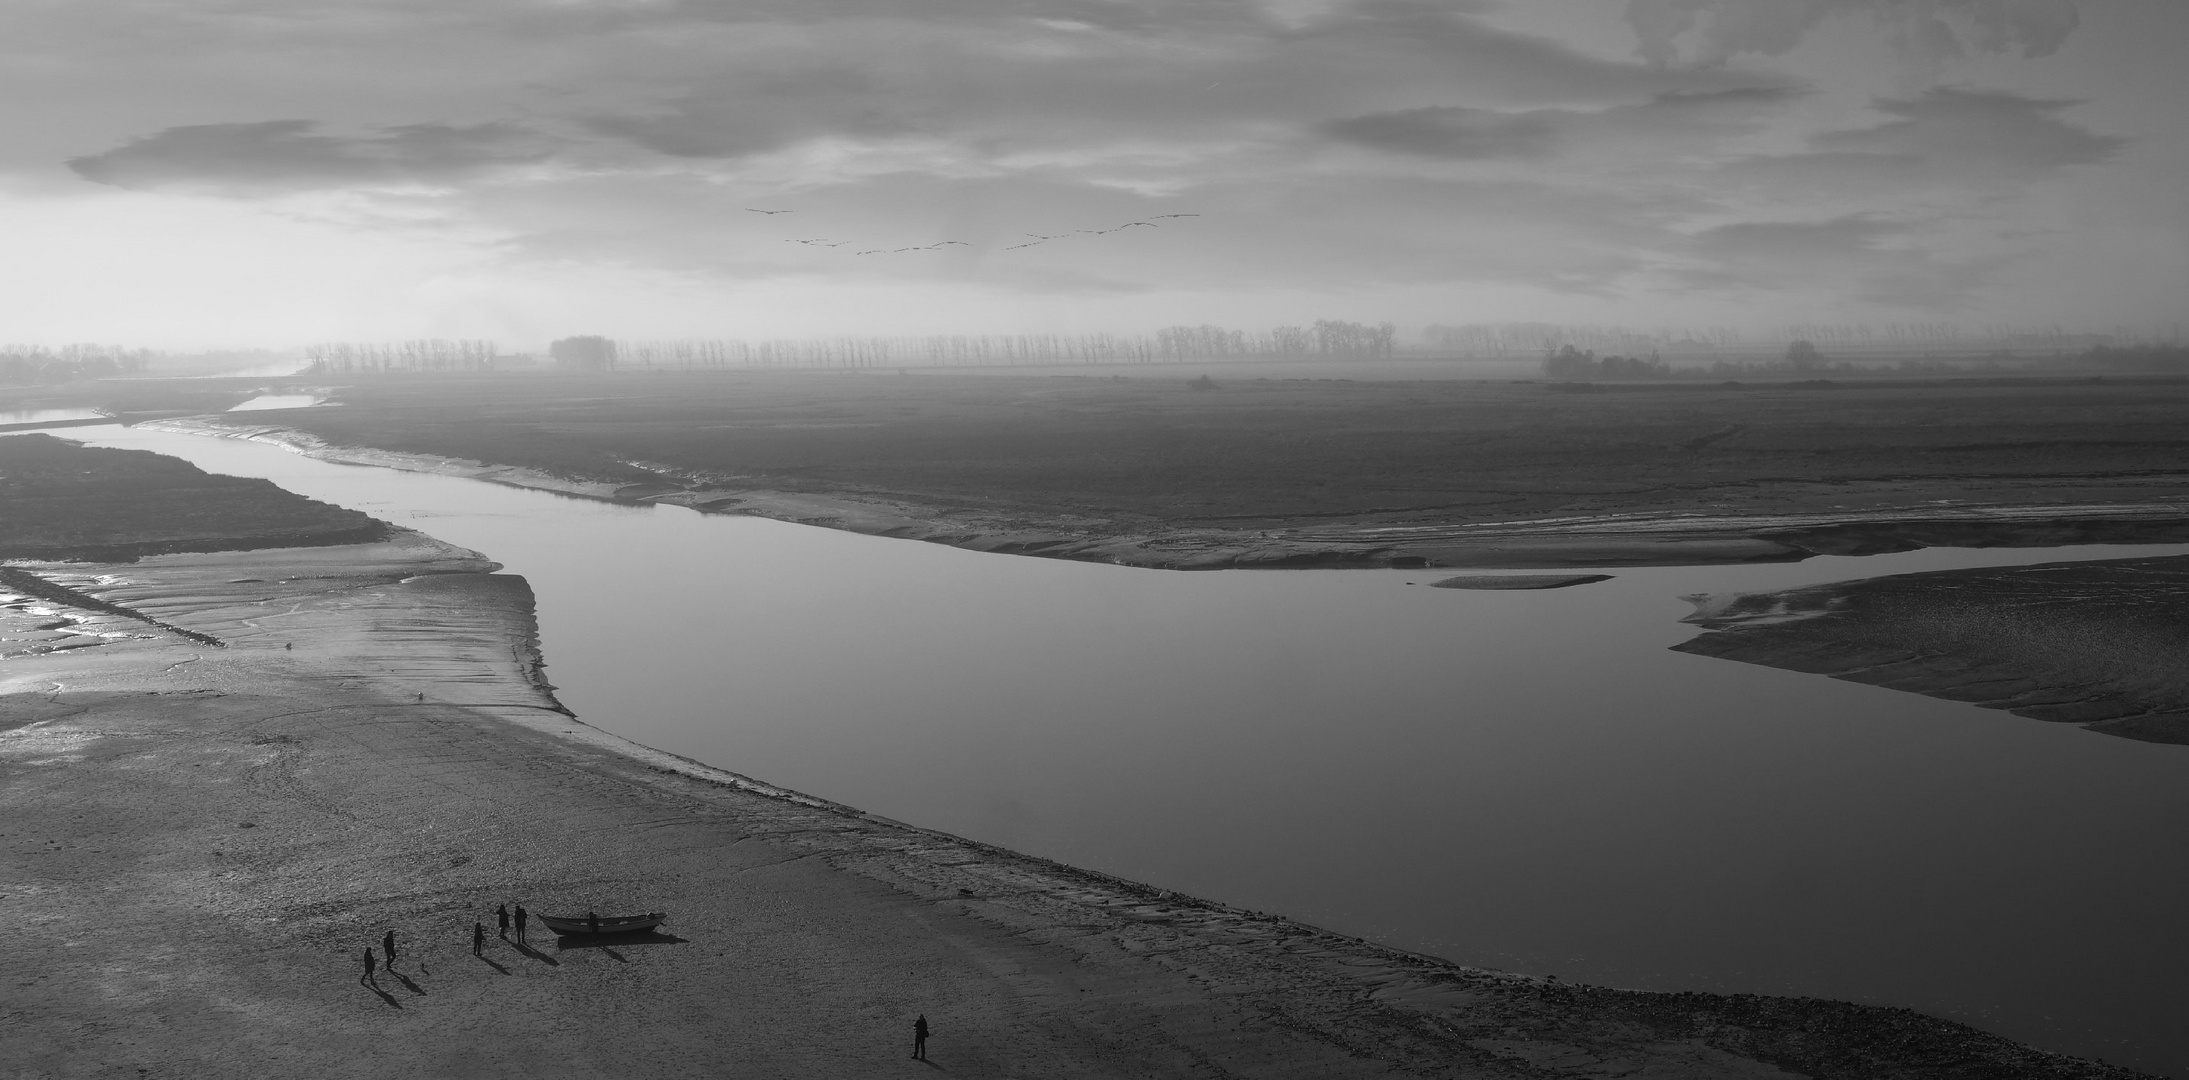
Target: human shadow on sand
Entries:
(535, 954)
(384, 995)
(489, 961)
(407, 984)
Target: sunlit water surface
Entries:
(1525, 780)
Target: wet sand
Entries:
(2100, 644)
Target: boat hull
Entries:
(620, 924)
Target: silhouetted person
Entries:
(501, 914)
(370, 966)
(919, 1037)
(387, 945)
(478, 939)
(520, 922)
(592, 922)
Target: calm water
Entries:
(1523, 780)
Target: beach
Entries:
(205, 832)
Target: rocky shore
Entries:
(226, 774)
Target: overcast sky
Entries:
(272, 172)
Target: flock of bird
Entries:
(1038, 238)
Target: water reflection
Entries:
(1528, 780)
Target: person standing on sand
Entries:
(919, 1038)
(366, 978)
(387, 945)
(478, 939)
(501, 914)
(520, 922)
(592, 922)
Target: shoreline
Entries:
(373, 748)
(1671, 538)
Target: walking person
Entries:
(501, 914)
(919, 1038)
(592, 922)
(370, 966)
(387, 945)
(478, 939)
(520, 922)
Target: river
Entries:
(1523, 780)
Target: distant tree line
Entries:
(1524, 338)
(1325, 338)
(427, 354)
(1534, 338)
(27, 365)
(1567, 362)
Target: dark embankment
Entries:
(1147, 470)
(59, 500)
(2101, 644)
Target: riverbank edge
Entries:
(1363, 995)
(1669, 538)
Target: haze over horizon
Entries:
(258, 172)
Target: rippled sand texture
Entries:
(2101, 644)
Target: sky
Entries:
(222, 173)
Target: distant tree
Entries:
(1803, 356)
(586, 353)
(1568, 362)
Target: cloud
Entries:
(1858, 257)
(1333, 144)
(1926, 32)
(1454, 132)
(289, 155)
(1965, 129)
(1948, 138)
(1654, 127)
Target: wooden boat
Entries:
(606, 924)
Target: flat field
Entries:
(1149, 467)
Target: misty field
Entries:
(1241, 452)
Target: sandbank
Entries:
(2099, 644)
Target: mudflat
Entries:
(224, 775)
(2100, 644)
(1147, 468)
